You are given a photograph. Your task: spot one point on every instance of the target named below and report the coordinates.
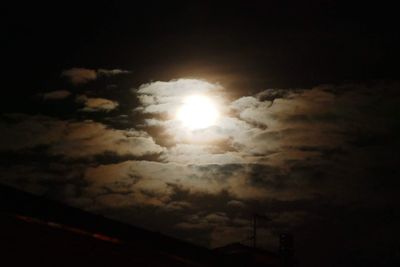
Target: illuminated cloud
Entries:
(79, 76)
(167, 97)
(261, 128)
(88, 139)
(155, 183)
(179, 87)
(96, 104)
(71, 139)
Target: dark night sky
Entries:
(309, 136)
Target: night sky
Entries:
(308, 130)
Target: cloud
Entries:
(204, 221)
(87, 139)
(296, 123)
(21, 131)
(73, 139)
(299, 155)
(96, 104)
(79, 76)
(156, 182)
(133, 184)
(282, 142)
(200, 154)
(165, 97)
(116, 201)
(236, 204)
(112, 72)
(178, 206)
(179, 87)
(223, 229)
(52, 179)
(56, 95)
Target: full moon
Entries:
(197, 112)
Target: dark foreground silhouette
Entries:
(35, 231)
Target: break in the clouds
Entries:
(78, 76)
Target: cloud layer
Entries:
(295, 155)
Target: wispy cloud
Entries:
(78, 76)
(56, 95)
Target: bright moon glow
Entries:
(197, 112)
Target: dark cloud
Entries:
(105, 72)
(56, 95)
(78, 76)
(236, 203)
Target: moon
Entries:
(197, 112)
